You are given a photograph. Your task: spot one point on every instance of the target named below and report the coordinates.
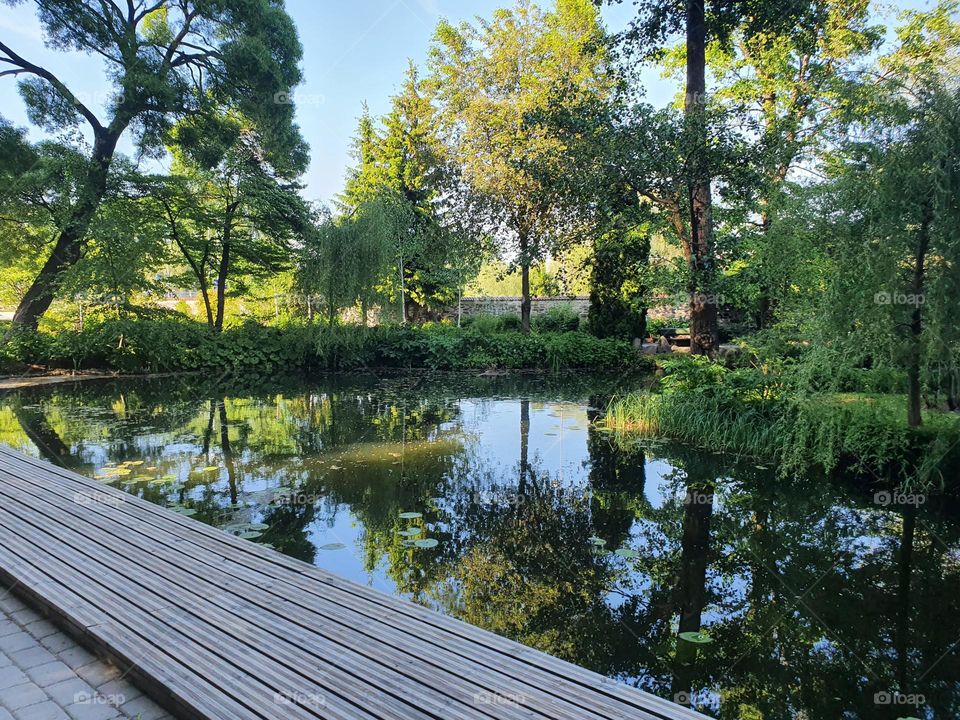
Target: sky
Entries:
(354, 51)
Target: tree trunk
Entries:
(205, 294)
(224, 269)
(914, 418)
(692, 585)
(704, 335)
(67, 250)
(765, 302)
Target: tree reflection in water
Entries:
(817, 601)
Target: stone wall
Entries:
(510, 305)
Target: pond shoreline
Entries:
(17, 382)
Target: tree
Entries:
(167, 59)
(344, 260)
(493, 78)
(900, 251)
(41, 182)
(794, 90)
(702, 23)
(405, 170)
(229, 205)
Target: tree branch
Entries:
(26, 66)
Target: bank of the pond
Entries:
(167, 345)
(863, 433)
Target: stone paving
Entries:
(46, 675)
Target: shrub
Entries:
(510, 322)
(557, 319)
(163, 345)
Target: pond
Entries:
(691, 575)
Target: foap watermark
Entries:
(494, 698)
(698, 497)
(95, 497)
(289, 97)
(885, 498)
(890, 697)
(300, 698)
(683, 698)
(898, 298)
(696, 299)
(96, 698)
(489, 498)
(291, 498)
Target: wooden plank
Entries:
(158, 543)
(291, 613)
(205, 601)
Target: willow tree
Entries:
(164, 60)
(894, 297)
(493, 79)
(404, 172)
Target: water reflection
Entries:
(810, 600)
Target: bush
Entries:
(510, 322)
(557, 319)
(165, 345)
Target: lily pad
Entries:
(426, 543)
(188, 511)
(249, 534)
(411, 515)
(410, 532)
(333, 546)
(626, 553)
(698, 638)
(599, 542)
(409, 543)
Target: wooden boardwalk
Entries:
(212, 626)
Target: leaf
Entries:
(699, 638)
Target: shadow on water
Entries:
(708, 581)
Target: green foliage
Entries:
(558, 319)
(617, 286)
(166, 345)
(753, 412)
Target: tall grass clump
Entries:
(752, 412)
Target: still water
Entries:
(498, 501)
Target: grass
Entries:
(861, 433)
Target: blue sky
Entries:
(353, 51)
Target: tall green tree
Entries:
(164, 60)
(493, 79)
(700, 24)
(404, 171)
(231, 208)
(795, 88)
(893, 297)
